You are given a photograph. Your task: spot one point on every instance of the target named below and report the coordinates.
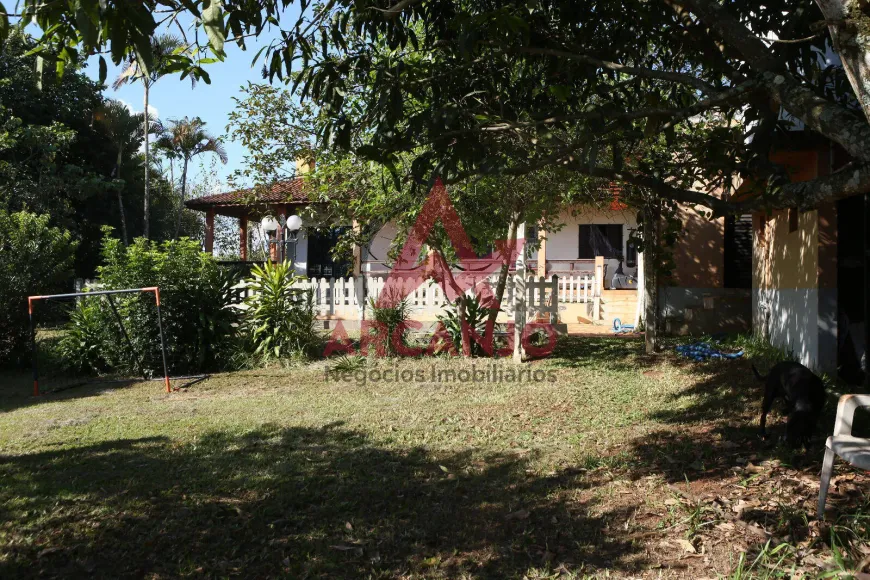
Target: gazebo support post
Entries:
(243, 238)
(209, 231)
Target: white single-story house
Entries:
(701, 283)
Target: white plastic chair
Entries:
(855, 450)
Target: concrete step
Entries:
(623, 314)
(625, 318)
(589, 329)
(619, 302)
(618, 307)
(619, 294)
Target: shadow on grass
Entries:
(715, 420)
(706, 445)
(16, 389)
(294, 502)
(330, 502)
(714, 428)
(614, 353)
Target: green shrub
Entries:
(195, 295)
(280, 317)
(396, 314)
(82, 345)
(34, 259)
(476, 315)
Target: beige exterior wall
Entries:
(699, 254)
(784, 258)
(785, 269)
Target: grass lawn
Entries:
(615, 463)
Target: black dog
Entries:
(804, 393)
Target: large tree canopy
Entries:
(672, 96)
(62, 154)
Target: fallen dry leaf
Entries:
(687, 546)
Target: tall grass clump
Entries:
(279, 317)
(389, 313)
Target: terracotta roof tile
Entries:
(289, 191)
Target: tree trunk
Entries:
(147, 221)
(851, 44)
(503, 274)
(867, 291)
(464, 331)
(183, 197)
(831, 119)
(520, 303)
(651, 278)
(124, 237)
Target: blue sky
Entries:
(173, 98)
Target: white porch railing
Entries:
(341, 297)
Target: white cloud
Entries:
(155, 114)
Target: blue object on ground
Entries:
(620, 328)
(701, 351)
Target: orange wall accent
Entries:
(789, 259)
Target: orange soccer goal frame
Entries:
(107, 293)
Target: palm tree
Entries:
(125, 131)
(184, 139)
(164, 48)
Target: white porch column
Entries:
(520, 297)
(542, 252)
(300, 264)
(641, 291)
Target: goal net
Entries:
(107, 336)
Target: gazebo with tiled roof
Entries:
(282, 198)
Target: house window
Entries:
(321, 262)
(792, 220)
(531, 245)
(631, 254)
(531, 235)
(600, 240)
(738, 251)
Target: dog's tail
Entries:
(758, 374)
